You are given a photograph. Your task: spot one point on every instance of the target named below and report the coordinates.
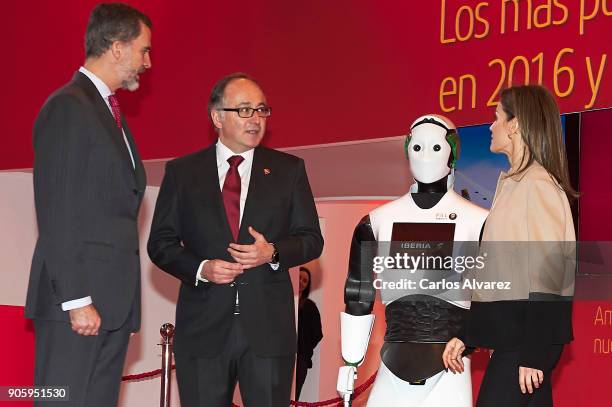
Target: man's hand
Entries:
(85, 320)
(252, 255)
(452, 355)
(528, 378)
(221, 271)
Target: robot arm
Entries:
(355, 333)
(357, 322)
(359, 292)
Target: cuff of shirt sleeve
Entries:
(74, 304)
(199, 274)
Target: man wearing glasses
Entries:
(229, 222)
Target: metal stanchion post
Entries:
(167, 333)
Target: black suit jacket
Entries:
(190, 225)
(87, 197)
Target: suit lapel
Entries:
(211, 193)
(255, 196)
(139, 171)
(106, 118)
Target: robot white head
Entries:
(432, 147)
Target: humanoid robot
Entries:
(411, 372)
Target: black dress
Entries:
(532, 213)
(309, 335)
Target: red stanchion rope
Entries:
(142, 376)
(337, 401)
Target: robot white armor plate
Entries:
(465, 217)
(442, 390)
(411, 371)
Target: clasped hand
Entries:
(246, 256)
(252, 255)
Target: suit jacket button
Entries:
(137, 252)
(135, 191)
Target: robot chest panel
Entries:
(441, 226)
(422, 229)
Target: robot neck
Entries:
(429, 195)
(439, 186)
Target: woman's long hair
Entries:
(540, 124)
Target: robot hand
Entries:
(346, 383)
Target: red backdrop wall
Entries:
(333, 71)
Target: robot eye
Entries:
(437, 147)
(416, 148)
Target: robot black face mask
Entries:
(411, 371)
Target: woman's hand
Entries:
(528, 378)
(452, 355)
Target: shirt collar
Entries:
(103, 89)
(223, 153)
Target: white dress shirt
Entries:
(105, 92)
(244, 169)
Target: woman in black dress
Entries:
(309, 330)
(530, 241)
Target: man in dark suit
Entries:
(84, 289)
(230, 220)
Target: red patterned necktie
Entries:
(114, 103)
(231, 194)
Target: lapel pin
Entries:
(267, 171)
